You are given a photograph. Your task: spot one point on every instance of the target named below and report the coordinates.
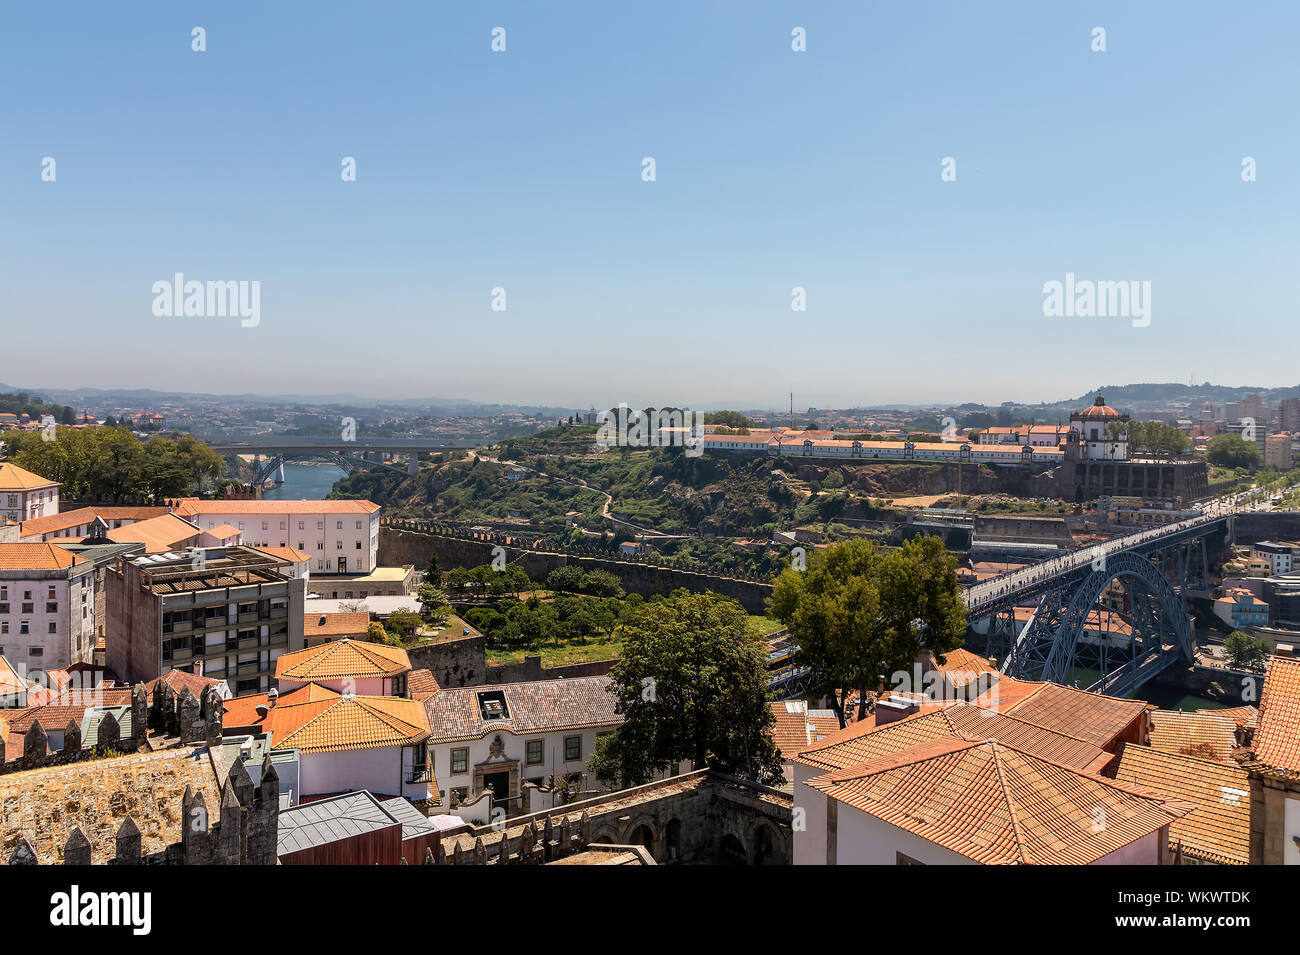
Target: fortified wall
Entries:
(402, 545)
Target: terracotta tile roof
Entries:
(961, 667)
(69, 706)
(357, 722)
(824, 723)
(230, 530)
(85, 515)
(791, 732)
(1091, 716)
(1204, 735)
(1277, 735)
(37, 557)
(543, 706)
(1218, 829)
(11, 681)
(315, 719)
(420, 684)
(179, 680)
(339, 659)
(1000, 806)
(1241, 715)
(191, 507)
(864, 741)
(14, 478)
(291, 554)
(242, 710)
(158, 534)
(335, 624)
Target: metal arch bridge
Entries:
(348, 455)
(1156, 568)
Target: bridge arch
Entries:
(1048, 648)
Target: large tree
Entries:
(691, 687)
(859, 613)
(1229, 450)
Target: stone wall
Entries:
(1259, 526)
(531, 670)
(456, 662)
(398, 545)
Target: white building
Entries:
(24, 495)
(1098, 443)
(345, 742)
(342, 537)
(47, 607)
(502, 736)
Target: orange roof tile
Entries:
(12, 477)
(161, 534)
(1207, 735)
(342, 658)
(1218, 829)
(322, 723)
(791, 732)
(1091, 716)
(864, 741)
(84, 515)
(1000, 806)
(37, 557)
(335, 624)
(190, 507)
(1277, 735)
(291, 554)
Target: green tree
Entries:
(859, 614)
(1244, 650)
(432, 575)
(433, 600)
(691, 686)
(732, 419)
(1229, 450)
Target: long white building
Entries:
(342, 537)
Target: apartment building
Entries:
(1277, 451)
(1281, 556)
(24, 495)
(223, 613)
(47, 607)
(342, 537)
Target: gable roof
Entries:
(1205, 735)
(85, 515)
(159, 534)
(37, 557)
(1277, 733)
(315, 719)
(1218, 828)
(1092, 716)
(14, 478)
(335, 624)
(340, 659)
(792, 731)
(191, 507)
(862, 742)
(540, 707)
(997, 805)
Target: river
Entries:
(305, 482)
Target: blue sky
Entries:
(775, 169)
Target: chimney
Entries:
(271, 696)
(261, 709)
(893, 708)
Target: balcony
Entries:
(419, 774)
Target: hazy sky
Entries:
(774, 169)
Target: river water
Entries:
(305, 482)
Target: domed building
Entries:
(1100, 442)
(1097, 463)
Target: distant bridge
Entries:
(348, 455)
(1156, 568)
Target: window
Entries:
(300, 528)
(907, 860)
(35, 652)
(534, 756)
(23, 627)
(320, 525)
(338, 545)
(358, 545)
(340, 525)
(54, 627)
(358, 525)
(320, 545)
(51, 608)
(4, 608)
(263, 525)
(572, 748)
(50, 595)
(4, 628)
(459, 761)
